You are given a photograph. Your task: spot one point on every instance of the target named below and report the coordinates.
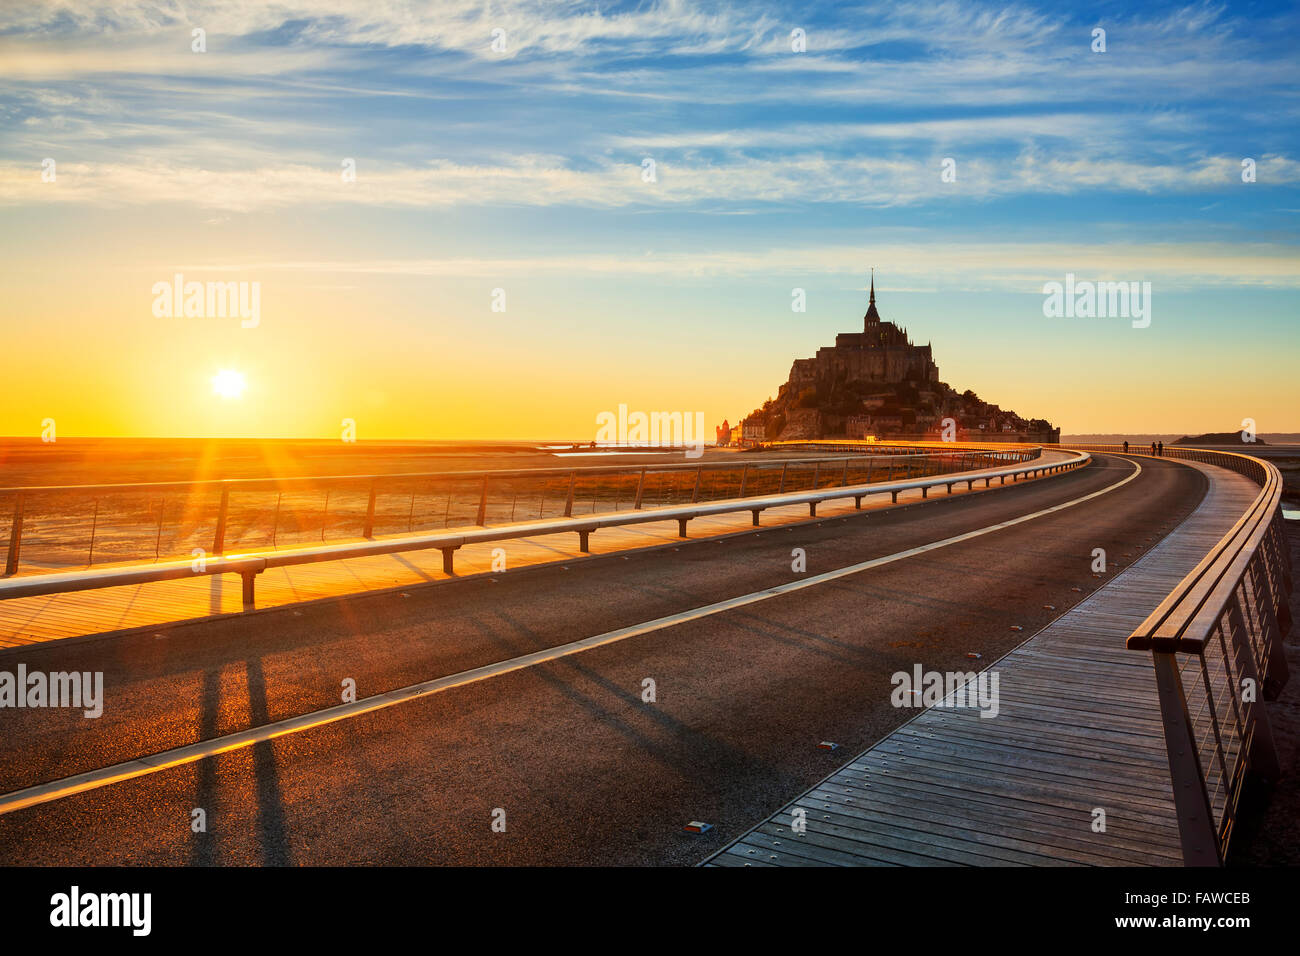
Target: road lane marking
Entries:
(191, 753)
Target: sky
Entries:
(499, 220)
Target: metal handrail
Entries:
(218, 509)
(240, 484)
(248, 566)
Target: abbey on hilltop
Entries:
(878, 383)
(881, 352)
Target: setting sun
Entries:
(228, 383)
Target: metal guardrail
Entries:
(202, 514)
(1216, 643)
(248, 566)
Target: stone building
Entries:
(877, 382)
(881, 352)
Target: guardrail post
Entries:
(219, 541)
(1196, 829)
(481, 519)
(583, 540)
(699, 477)
(681, 527)
(568, 503)
(447, 566)
(755, 517)
(247, 578)
(15, 538)
(781, 488)
(369, 530)
(640, 489)
(744, 473)
(812, 509)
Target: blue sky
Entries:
(522, 168)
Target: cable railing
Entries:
(84, 525)
(250, 564)
(1216, 643)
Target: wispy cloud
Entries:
(946, 266)
(551, 181)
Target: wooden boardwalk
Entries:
(34, 620)
(1078, 730)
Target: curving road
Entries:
(586, 771)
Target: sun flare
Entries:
(228, 383)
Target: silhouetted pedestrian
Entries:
(1126, 446)
(1153, 448)
(1161, 453)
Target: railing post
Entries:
(481, 520)
(369, 530)
(781, 488)
(157, 541)
(94, 525)
(15, 538)
(1196, 828)
(219, 541)
(817, 474)
(844, 481)
(568, 502)
(640, 489)
(699, 477)
(744, 473)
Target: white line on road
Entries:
(179, 756)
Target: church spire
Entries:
(872, 317)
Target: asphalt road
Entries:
(585, 770)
